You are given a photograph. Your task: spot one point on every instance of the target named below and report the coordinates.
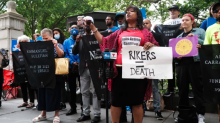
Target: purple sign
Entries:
(184, 47)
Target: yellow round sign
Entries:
(184, 47)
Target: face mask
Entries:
(57, 36)
(121, 26)
(74, 32)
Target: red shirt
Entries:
(129, 37)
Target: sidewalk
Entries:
(9, 113)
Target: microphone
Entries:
(99, 57)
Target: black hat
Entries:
(174, 7)
(215, 5)
(119, 15)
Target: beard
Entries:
(218, 19)
(108, 24)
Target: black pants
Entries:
(171, 82)
(24, 87)
(72, 86)
(190, 73)
(1, 82)
(63, 90)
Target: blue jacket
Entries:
(113, 29)
(201, 37)
(208, 22)
(68, 46)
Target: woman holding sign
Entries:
(188, 69)
(127, 92)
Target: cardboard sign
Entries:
(184, 47)
(155, 63)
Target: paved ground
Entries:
(9, 113)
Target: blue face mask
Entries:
(121, 26)
(74, 32)
(57, 36)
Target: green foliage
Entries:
(2, 5)
(53, 13)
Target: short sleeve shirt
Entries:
(129, 37)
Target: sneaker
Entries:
(168, 93)
(201, 118)
(158, 115)
(78, 91)
(190, 95)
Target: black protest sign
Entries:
(20, 75)
(90, 45)
(39, 63)
(210, 65)
(168, 31)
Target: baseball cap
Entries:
(89, 18)
(119, 15)
(174, 7)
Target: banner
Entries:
(168, 31)
(20, 74)
(210, 66)
(39, 63)
(90, 45)
(184, 47)
(155, 63)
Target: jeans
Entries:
(156, 95)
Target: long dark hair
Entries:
(210, 8)
(62, 36)
(139, 18)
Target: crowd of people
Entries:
(124, 92)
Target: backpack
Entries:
(4, 59)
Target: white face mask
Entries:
(121, 26)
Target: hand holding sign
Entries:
(148, 45)
(54, 42)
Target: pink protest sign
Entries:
(184, 47)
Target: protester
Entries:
(126, 92)
(120, 18)
(189, 71)
(35, 36)
(80, 24)
(212, 32)
(1, 83)
(73, 68)
(155, 90)
(211, 19)
(86, 80)
(109, 23)
(60, 37)
(174, 16)
(49, 98)
(174, 20)
(25, 86)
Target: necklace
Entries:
(133, 28)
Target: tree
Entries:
(49, 13)
(2, 5)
